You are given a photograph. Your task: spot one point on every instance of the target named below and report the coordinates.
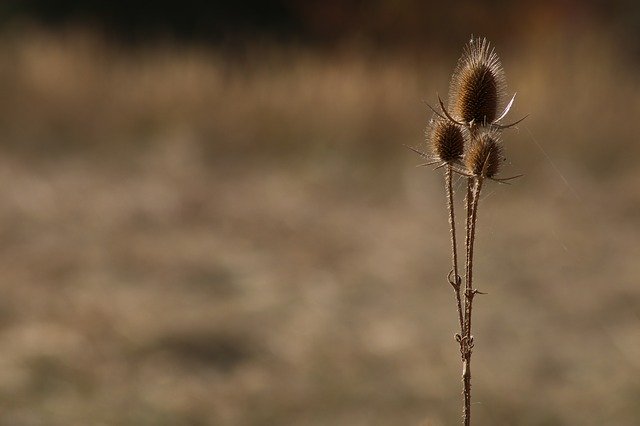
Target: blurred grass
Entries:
(201, 237)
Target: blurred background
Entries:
(207, 216)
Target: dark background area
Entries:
(399, 25)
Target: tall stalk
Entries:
(476, 96)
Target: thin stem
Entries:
(466, 372)
(473, 198)
(468, 206)
(455, 283)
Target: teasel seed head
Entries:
(478, 85)
(446, 140)
(485, 156)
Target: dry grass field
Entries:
(201, 237)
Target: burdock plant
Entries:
(465, 139)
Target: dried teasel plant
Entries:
(465, 140)
(477, 92)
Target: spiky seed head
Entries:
(485, 155)
(446, 140)
(478, 85)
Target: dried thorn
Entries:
(470, 293)
(507, 108)
(447, 112)
(420, 153)
(441, 166)
(507, 126)
(434, 110)
(462, 172)
(430, 163)
(505, 180)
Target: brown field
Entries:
(194, 237)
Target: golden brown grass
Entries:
(194, 239)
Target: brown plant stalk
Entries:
(466, 140)
(475, 186)
(454, 277)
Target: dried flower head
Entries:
(484, 156)
(446, 140)
(478, 85)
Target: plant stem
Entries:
(474, 186)
(455, 283)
